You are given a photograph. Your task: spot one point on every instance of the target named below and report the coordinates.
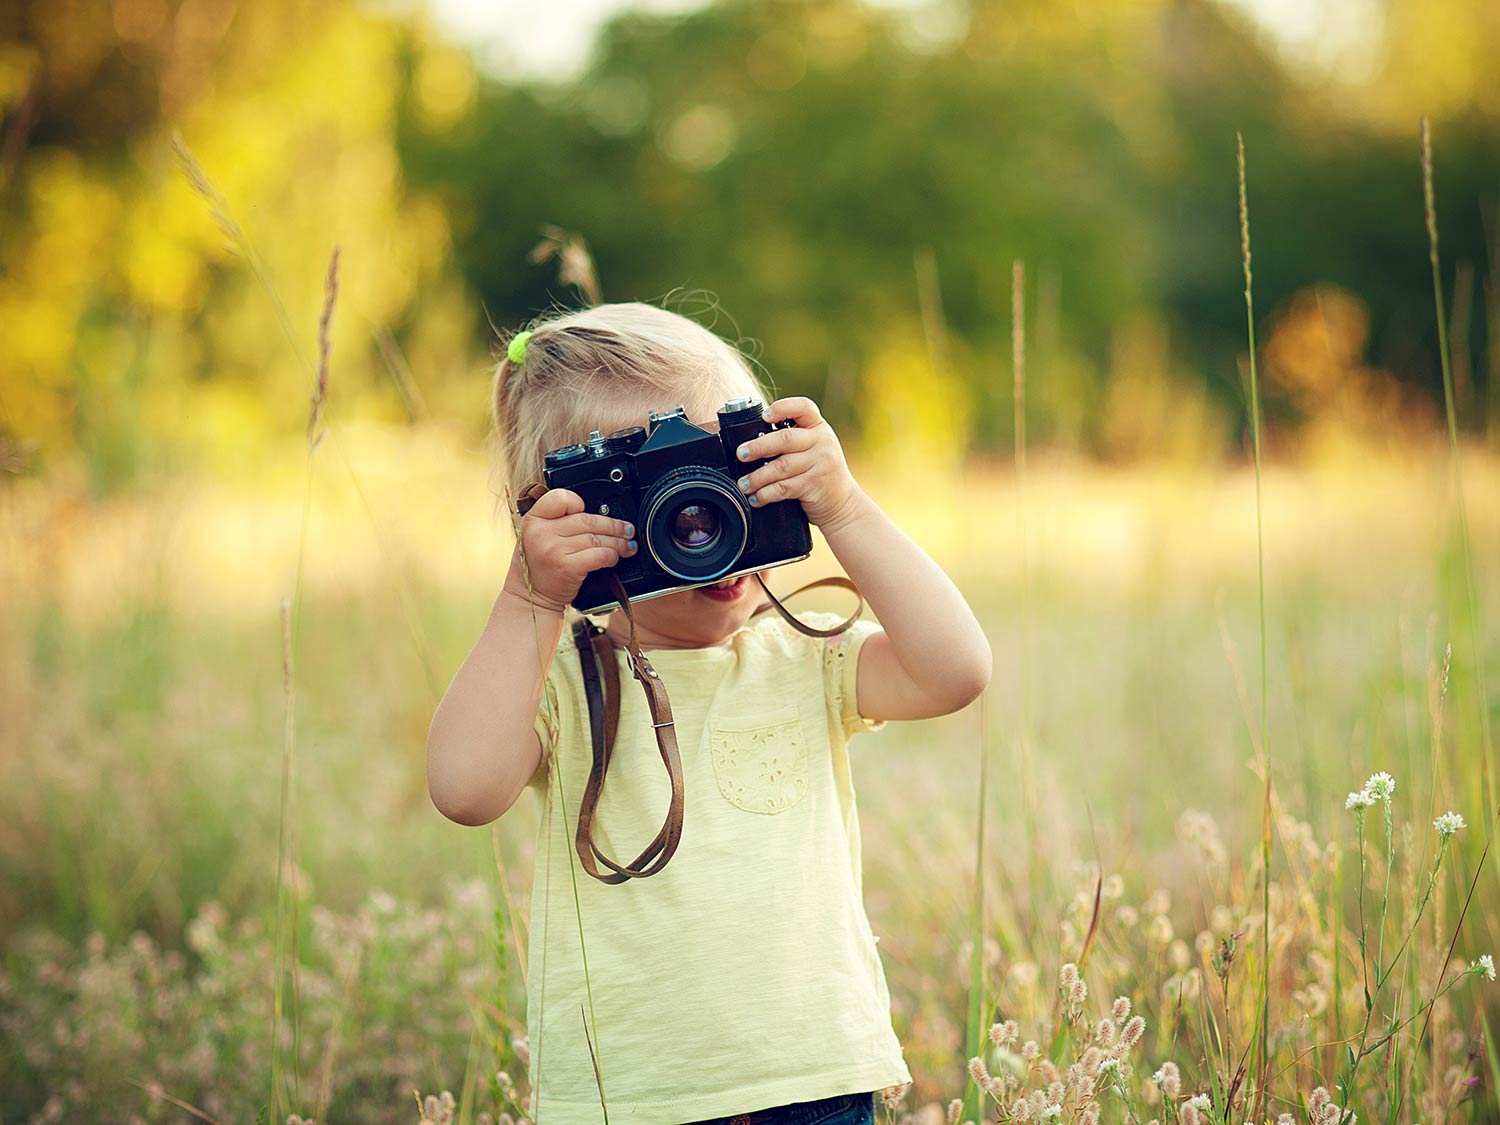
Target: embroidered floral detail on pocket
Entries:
(760, 761)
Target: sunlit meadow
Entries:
(146, 732)
(1213, 847)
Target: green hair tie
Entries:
(517, 349)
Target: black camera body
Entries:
(676, 483)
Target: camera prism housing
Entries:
(676, 482)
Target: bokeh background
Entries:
(844, 190)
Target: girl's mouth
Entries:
(727, 590)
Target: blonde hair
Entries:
(604, 368)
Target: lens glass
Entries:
(695, 527)
(696, 524)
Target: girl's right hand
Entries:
(562, 543)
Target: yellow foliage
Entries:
(112, 257)
(917, 418)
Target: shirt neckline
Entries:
(727, 647)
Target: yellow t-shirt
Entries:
(744, 975)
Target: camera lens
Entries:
(695, 523)
(695, 527)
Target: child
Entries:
(742, 978)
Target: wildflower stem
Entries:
(1385, 895)
(1364, 958)
(1465, 544)
(1421, 906)
(1447, 958)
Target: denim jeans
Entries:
(842, 1109)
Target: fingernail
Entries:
(629, 529)
(744, 484)
(744, 453)
(631, 545)
(753, 500)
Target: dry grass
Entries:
(145, 677)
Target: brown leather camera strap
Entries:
(594, 649)
(837, 580)
(529, 496)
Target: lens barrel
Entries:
(696, 524)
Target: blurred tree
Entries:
(790, 156)
(781, 160)
(134, 333)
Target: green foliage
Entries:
(789, 158)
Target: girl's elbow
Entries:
(465, 806)
(462, 799)
(969, 681)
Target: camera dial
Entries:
(627, 440)
(567, 455)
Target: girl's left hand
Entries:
(808, 463)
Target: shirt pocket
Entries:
(760, 760)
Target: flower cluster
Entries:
(1448, 824)
(192, 1026)
(1025, 1087)
(1380, 787)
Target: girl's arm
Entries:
(932, 657)
(482, 746)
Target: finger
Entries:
(595, 558)
(580, 522)
(803, 411)
(571, 545)
(555, 503)
(787, 465)
(787, 488)
(775, 443)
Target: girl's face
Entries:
(696, 618)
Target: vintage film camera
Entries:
(676, 482)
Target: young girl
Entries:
(741, 981)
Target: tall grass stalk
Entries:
(1018, 399)
(554, 784)
(1465, 543)
(978, 1003)
(934, 328)
(1263, 1050)
(282, 847)
(238, 242)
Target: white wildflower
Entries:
(1201, 1101)
(1381, 786)
(1448, 824)
(1485, 965)
(1360, 800)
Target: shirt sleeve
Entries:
(840, 676)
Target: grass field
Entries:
(142, 741)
